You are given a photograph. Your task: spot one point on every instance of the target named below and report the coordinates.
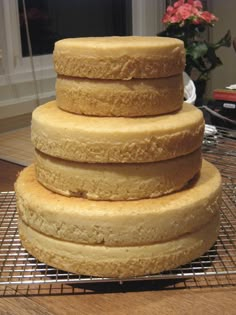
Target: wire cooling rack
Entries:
(17, 267)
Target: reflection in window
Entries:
(51, 20)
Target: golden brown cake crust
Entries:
(123, 181)
(123, 57)
(116, 139)
(119, 223)
(132, 98)
(121, 262)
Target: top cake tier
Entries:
(119, 57)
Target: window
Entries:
(25, 80)
(50, 20)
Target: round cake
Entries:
(116, 181)
(123, 238)
(122, 58)
(120, 223)
(130, 98)
(116, 139)
(121, 262)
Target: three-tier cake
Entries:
(118, 187)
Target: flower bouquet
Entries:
(187, 21)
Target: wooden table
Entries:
(192, 296)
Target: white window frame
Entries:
(18, 68)
(147, 16)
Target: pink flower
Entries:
(195, 11)
(184, 11)
(166, 18)
(191, 10)
(208, 17)
(175, 19)
(170, 9)
(197, 4)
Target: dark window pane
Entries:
(51, 20)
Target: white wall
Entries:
(147, 16)
(225, 74)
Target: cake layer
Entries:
(137, 97)
(123, 57)
(121, 262)
(116, 139)
(119, 223)
(116, 181)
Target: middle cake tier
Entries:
(127, 98)
(116, 181)
(116, 139)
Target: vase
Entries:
(200, 86)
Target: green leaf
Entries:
(212, 58)
(225, 41)
(197, 50)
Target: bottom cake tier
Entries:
(119, 238)
(121, 262)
